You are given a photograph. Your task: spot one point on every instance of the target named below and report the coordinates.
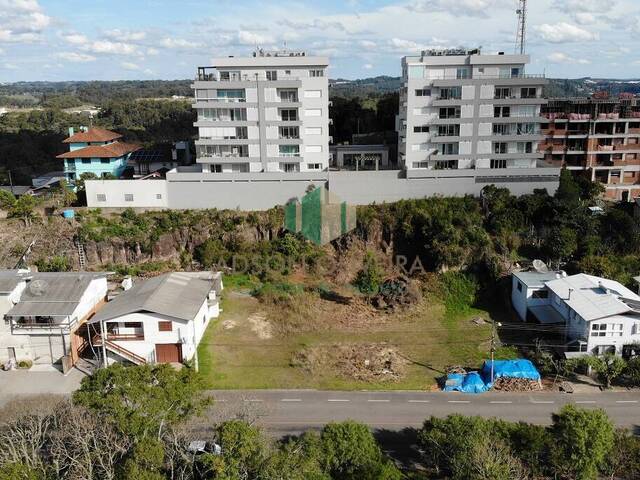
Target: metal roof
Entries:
(592, 297)
(535, 279)
(179, 295)
(52, 293)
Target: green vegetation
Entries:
(57, 263)
(368, 279)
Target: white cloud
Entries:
(246, 37)
(585, 18)
(22, 21)
(111, 48)
(368, 44)
(559, 57)
(118, 35)
(471, 8)
(75, 57)
(130, 66)
(152, 51)
(564, 32)
(367, 66)
(399, 45)
(75, 38)
(179, 44)
(10, 66)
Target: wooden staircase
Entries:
(121, 351)
(82, 258)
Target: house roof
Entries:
(592, 297)
(111, 150)
(52, 293)
(179, 295)
(535, 279)
(16, 189)
(92, 135)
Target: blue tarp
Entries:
(474, 382)
(470, 383)
(519, 368)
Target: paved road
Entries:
(293, 411)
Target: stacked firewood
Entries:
(506, 384)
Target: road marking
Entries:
(585, 401)
(256, 400)
(338, 400)
(291, 400)
(501, 401)
(378, 400)
(418, 401)
(542, 401)
(626, 401)
(458, 401)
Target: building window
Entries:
(607, 329)
(288, 115)
(289, 150)
(272, 75)
(216, 168)
(451, 93)
(314, 166)
(421, 129)
(502, 92)
(86, 161)
(420, 164)
(289, 132)
(289, 167)
(519, 286)
(316, 73)
(446, 165)
(101, 197)
(105, 160)
(448, 130)
(528, 92)
(464, 72)
(128, 197)
(423, 92)
(158, 196)
(501, 112)
(165, 326)
(500, 147)
(498, 163)
(450, 148)
(288, 95)
(525, 147)
(449, 112)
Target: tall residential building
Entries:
(265, 113)
(460, 109)
(598, 137)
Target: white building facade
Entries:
(597, 315)
(266, 113)
(460, 109)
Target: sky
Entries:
(168, 39)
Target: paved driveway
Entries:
(17, 383)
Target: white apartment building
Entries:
(265, 113)
(460, 109)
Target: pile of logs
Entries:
(506, 384)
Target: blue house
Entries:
(97, 151)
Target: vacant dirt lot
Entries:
(328, 343)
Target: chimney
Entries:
(71, 131)
(570, 290)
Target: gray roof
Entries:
(52, 293)
(9, 280)
(535, 279)
(16, 189)
(592, 297)
(179, 295)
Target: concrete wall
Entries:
(145, 193)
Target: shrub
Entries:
(368, 279)
(25, 364)
(57, 263)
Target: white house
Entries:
(159, 320)
(599, 315)
(45, 314)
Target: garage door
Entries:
(168, 353)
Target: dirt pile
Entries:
(505, 384)
(376, 362)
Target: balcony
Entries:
(221, 99)
(211, 74)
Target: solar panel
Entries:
(148, 156)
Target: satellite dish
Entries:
(37, 288)
(539, 266)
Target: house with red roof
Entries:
(95, 150)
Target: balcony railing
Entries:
(489, 77)
(221, 99)
(215, 77)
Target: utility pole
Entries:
(522, 26)
(493, 344)
(11, 182)
(195, 346)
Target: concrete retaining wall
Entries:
(261, 191)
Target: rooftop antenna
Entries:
(522, 26)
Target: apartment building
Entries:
(460, 109)
(265, 113)
(597, 137)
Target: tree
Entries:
(561, 243)
(608, 367)
(7, 200)
(19, 471)
(297, 459)
(624, 459)
(351, 452)
(67, 195)
(633, 369)
(24, 208)
(243, 450)
(582, 441)
(146, 461)
(369, 278)
(143, 400)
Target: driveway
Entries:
(19, 383)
